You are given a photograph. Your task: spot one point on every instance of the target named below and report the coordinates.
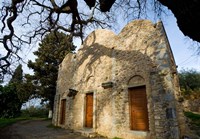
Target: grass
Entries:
(195, 118)
(117, 138)
(31, 113)
(6, 122)
(53, 126)
(194, 122)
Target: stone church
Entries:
(123, 85)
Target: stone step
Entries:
(87, 133)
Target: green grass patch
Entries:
(53, 126)
(195, 118)
(6, 122)
(117, 138)
(9, 121)
(31, 113)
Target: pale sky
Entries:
(183, 48)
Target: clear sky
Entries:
(184, 49)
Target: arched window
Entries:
(136, 80)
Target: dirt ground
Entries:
(37, 129)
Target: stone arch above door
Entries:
(136, 80)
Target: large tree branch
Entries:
(5, 63)
(187, 13)
(41, 16)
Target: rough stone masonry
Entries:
(123, 85)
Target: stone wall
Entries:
(139, 55)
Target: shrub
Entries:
(195, 118)
(32, 111)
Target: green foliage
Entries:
(38, 112)
(21, 90)
(13, 95)
(50, 54)
(9, 102)
(17, 76)
(189, 82)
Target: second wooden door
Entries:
(89, 110)
(138, 109)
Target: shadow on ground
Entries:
(37, 129)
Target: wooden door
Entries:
(62, 111)
(89, 110)
(138, 109)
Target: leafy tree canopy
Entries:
(17, 76)
(190, 82)
(10, 100)
(50, 54)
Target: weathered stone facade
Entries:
(108, 65)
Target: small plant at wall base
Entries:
(53, 126)
(117, 138)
